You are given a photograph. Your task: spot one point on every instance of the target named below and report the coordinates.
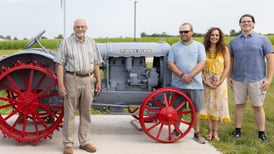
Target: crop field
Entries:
(53, 43)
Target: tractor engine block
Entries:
(131, 73)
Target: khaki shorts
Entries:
(241, 91)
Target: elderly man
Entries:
(78, 61)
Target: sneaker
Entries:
(236, 134)
(88, 148)
(68, 150)
(263, 138)
(198, 138)
(175, 134)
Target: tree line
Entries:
(143, 34)
(164, 34)
(8, 37)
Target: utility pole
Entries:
(63, 4)
(64, 18)
(135, 2)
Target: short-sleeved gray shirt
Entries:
(186, 57)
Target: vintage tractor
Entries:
(135, 81)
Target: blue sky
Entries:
(115, 18)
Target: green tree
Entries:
(8, 37)
(60, 36)
(234, 33)
(143, 34)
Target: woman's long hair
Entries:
(220, 46)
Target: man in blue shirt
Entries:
(186, 59)
(250, 76)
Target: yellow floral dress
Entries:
(215, 100)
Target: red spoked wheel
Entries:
(160, 105)
(30, 108)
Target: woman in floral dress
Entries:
(215, 84)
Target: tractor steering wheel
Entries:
(34, 40)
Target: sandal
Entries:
(209, 135)
(215, 135)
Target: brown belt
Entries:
(79, 74)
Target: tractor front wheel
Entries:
(172, 110)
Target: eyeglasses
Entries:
(248, 21)
(78, 27)
(184, 31)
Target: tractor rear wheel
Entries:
(30, 108)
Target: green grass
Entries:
(249, 142)
(19, 44)
(2, 103)
(53, 43)
(7, 52)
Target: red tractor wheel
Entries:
(30, 108)
(159, 105)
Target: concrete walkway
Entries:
(111, 134)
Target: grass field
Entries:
(247, 144)
(53, 43)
